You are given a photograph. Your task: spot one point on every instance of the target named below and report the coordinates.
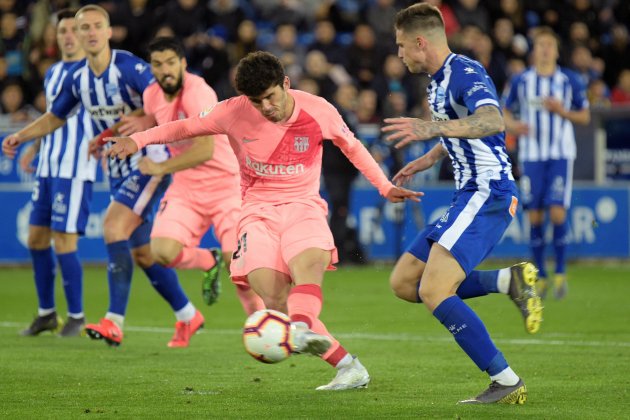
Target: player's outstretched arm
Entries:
(399, 194)
(200, 151)
(122, 147)
(43, 125)
(485, 121)
(423, 163)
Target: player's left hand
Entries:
(399, 194)
(122, 147)
(553, 105)
(149, 167)
(27, 158)
(406, 130)
(130, 124)
(10, 145)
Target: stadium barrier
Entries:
(599, 224)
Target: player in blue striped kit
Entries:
(438, 267)
(548, 100)
(61, 197)
(109, 83)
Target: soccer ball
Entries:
(267, 337)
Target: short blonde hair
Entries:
(93, 8)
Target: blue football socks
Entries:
(165, 281)
(560, 246)
(119, 273)
(469, 332)
(44, 270)
(72, 274)
(537, 243)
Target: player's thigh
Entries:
(120, 222)
(41, 212)
(272, 286)
(309, 266)
(225, 216)
(533, 185)
(304, 227)
(560, 183)
(441, 278)
(178, 219)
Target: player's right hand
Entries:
(10, 145)
(409, 170)
(95, 148)
(122, 147)
(27, 158)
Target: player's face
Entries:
(274, 103)
(94, 31)
(168, 70)
(67, 37)
(545, 50)
(410, 51)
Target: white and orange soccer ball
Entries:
(267, 336)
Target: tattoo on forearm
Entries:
(486, 121)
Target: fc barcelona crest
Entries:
(300, 144)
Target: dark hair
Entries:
(164, 43)
(64, 14)
(257, 72)
(419, 17)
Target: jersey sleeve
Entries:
(510, 99)
(200, 97)
(139, 74)
(475, 88)
(338, 132)
(66, 100)
(213, 120)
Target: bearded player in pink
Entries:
(204, 191)
(285, 244)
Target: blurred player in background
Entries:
(61, 197)
(205, 189)
(285, 244)
(109, 83)
(548, 100)
(438, 267)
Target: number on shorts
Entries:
(242, 245)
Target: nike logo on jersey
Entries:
(246, 140)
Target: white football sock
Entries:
(503, 280)
(44, 312)
(119, 320)
(186, 313)
(506, 377)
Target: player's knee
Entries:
(142, 257)
(275, 302)
(162, 256)
(404, 288)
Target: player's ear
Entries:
(184, 63)
(286, 85)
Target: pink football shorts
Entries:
(269, 236)
(186, 215)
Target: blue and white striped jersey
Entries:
(116, 91)
(550, 136)
(63, 153)
(456, 90)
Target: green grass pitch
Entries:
(576, 367)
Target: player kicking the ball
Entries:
(285, 244)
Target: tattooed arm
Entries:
(486, 121)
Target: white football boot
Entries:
(355, 375)
(305, 341)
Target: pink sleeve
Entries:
(340, 134)
(146, 101)
(208, 122)
(198, 97)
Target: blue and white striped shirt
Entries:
(63, 153)
(550, 136)
(456, 90)
(116, 91)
